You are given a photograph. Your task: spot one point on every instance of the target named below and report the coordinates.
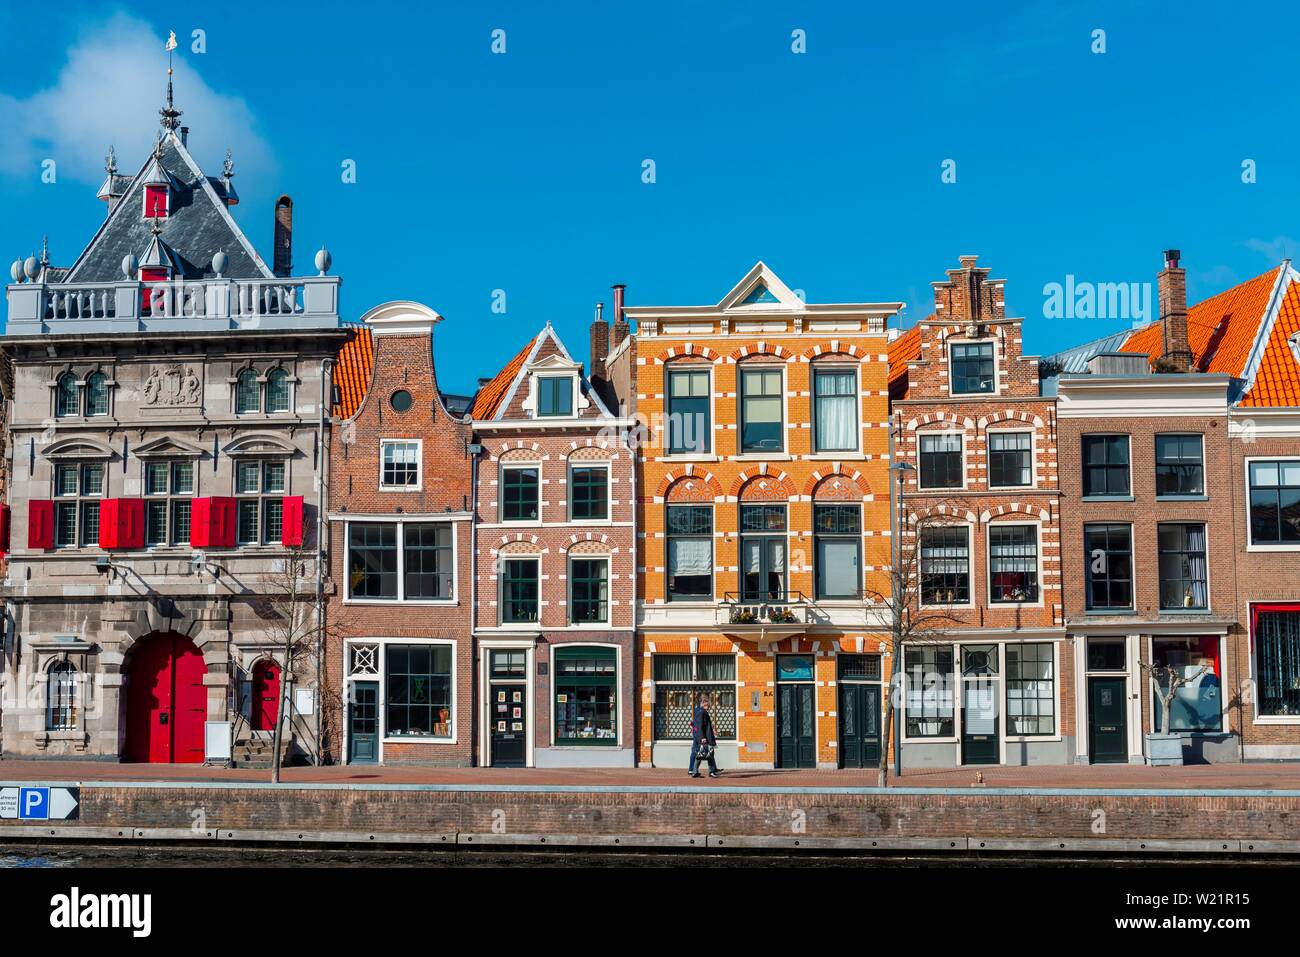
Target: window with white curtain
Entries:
(835, 412)
(690, 552)
(1183, 575)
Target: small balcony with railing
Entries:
(771, 613)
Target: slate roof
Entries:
(197, 227)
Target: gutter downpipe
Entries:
(473, 599)
(326, 366)
(896, 670)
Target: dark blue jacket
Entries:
(702, 727)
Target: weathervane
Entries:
(170, 115)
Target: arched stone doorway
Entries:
(166, 701)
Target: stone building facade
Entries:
(400, 653)
(167, 438)
(763, 521)
(989, 677)
(554, 557)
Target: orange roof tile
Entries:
(906, 348)
(490, 396)
(1221, 330)
(352, 374)
(1277, 381)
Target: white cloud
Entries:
(109, 92)
(1275, 249)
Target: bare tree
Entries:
(1167, 681)
(911, 576)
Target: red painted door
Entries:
(266, 695)
(166, 701)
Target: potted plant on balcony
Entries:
(743, 616)
(1163, 748)
(781, 616)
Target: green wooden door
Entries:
(795, 720)
(1107, 721)
(859, 725)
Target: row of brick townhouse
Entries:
(719, 502)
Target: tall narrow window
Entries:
(589, 591)
(520, 493)
(62, 689)
(1105, 465)
(260, 487)
(945, 565)
(555, 395)
(97, 394)
(690, 552)
(1010, 459)
(519, 593)
(689, 427)
(67, 396)
(372, 561)
(247, 392)
(427, 561)
(1183, 573)
(1013, 563)
(762, 552)
(1275, 503)
(929, 675)
(836, 410)
(1108, 566)
(277, 391)
(589, 492)
(1277, 656)
(972, 367)
(1180, 465)
(78, 490)
(761, 422)
(838, 537)
(1031, 689)
(941, 461)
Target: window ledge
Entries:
(1106, 498)
(418, 739)
(1277, 719)
(763, 457)
(688, 457)
(1182, 498)
(1168, 612)
(838, 456)
(1101, 612)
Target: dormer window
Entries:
(972, 368)
(555, 395)
(156, 201)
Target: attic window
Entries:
(155, 201)
(555, 395)
(759, 294)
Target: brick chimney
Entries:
(1171, 290)
(599, 343)
(621, 329)
(283, 252)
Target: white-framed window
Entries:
(520, 599)
(410, 561)
(589, 491)
(945, 553)
(762, 409)
(168, 493)
(259, 492)
(942, 460)
(930, 679)
(1010, 458)
(1014, 563)
(589, 589)
(1273, 487)
(972, 367)
(689, 398)
(521, 492)
(78, 491)
(399, 464)
(835, 408)
(555, 395)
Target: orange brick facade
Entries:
(784, 336)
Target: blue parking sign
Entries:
(33, 804)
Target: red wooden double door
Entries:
(166, 702)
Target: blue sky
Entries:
(522, 171)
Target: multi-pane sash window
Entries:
(67, 396)
(837, 531)
(1275, 503)
(689, 425)
(941, 461)
(1013, 563)
(972, 367)
(1180, 465)
(519, 590)
(1031, 689)
(1183, 573)
(400, 464)
(168, 489)
(78, 489)
(520, 493)
(1108, 566)
(277, 391)
(418, 684)
(945, 565)
(248, 392)
(762, 552)
(259, 487)
(589, 492)
(1010, 459)
(690, 552)
(835, 413)
(680, 680)
(1105, 465)
(761, 422)
(1277, 656)
(411, 561)
(555, 395)
(929, 691)
(96, 394)
(588, 591)
(62, 692)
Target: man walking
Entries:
(703, 740)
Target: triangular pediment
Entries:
(761, 290)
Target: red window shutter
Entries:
(130, 522)
(109, 531)
(291, 521)
(4, 529)
(221, 527)
(200, 522)
(40, 524)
